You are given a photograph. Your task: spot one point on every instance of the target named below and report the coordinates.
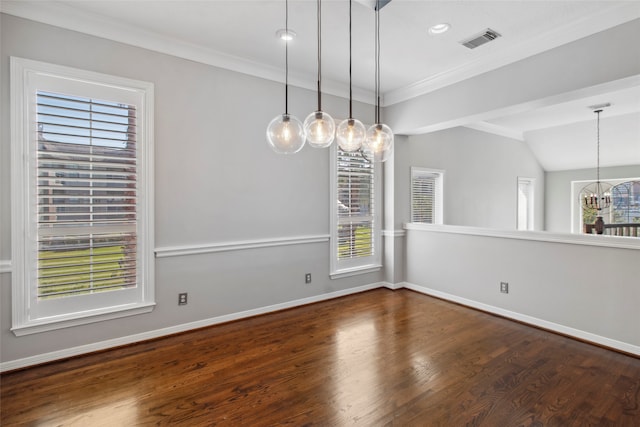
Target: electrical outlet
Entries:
(182, 298)
(504, 287)
(307, 278)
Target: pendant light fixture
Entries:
(378, 144)
(285, 133)
(319, 127)
(597, 195)
(351, 132)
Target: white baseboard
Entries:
(130, 339)
(393, 286)
(565, 330)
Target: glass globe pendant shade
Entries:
(319, 129)
(378, 144)
(350, 135)
(285, 134)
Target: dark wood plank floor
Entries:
(379, 358)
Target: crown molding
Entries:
(64, 16)
(616, 15)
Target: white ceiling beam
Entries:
(574, 68)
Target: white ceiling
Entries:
(240, 35)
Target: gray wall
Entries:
(480, 181)
(558, 192)
(216, 182)
(550, 284)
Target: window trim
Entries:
(345, 268)
(23, 74)
(530, 225)
(438, 213)
(576, 206)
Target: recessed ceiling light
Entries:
(439, 28)
(286, 34)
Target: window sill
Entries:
(81, 319)
(347, 272)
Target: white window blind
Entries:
(355, 227)
(355, 206)
(87, 195)
(82, 196)
(426, 196)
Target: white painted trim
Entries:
(599, 89)
(83, 318)
(529, 204)
(394, 233)
(344, 267)
(438, 194)
(66, 16)
(393, 286)
(171, 251)
(130, 339)
(541, 236)
(29, 313)
(5, 266)
(354, 271)
(566, 330)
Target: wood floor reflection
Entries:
(378, 358)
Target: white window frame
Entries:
(29, 314)
(525, 212)
(576, 204)
(348, 267)
(438, 206)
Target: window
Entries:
(81, 197)
(355, 224)
(426, 195)
(625, 203)
(525, 204)
(621, 218)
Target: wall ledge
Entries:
(540, 236)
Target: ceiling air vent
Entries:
(479, 39)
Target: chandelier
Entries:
(597, 195)
(286, 135)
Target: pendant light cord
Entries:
(350, 88)
(319, 4)
(598, 147)
(286, 59)
(377, 52)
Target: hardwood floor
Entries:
(379, 358)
